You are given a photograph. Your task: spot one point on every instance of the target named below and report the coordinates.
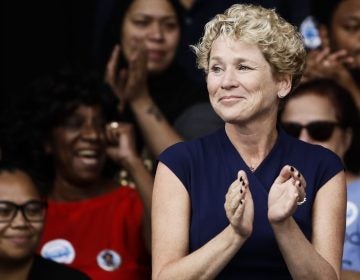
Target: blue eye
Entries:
(244, 67)
(215, 69)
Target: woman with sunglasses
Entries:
(248, 201)
(324, 113)
(22, 215)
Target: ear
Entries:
(284, 85)
(324, 36)
(348, 139)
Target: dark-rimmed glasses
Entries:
(32, 211)
(317, 130)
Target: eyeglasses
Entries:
(317, 130)
(32, 211)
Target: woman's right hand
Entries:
(239, 206)
(128, 84)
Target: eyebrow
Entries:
(161, 16)
(238, 59)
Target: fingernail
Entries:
(241, 190)
(299, 184)
(241, 179)
(292, 169)
(243, 183)
(241, 202)
(299, 175)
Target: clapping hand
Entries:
(239, 206)
(286, 194)
(128, 83)
(324, 64)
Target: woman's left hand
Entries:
(287, 191)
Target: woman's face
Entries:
(309, 108)
(78, 145)
(345, 29)
(240, 82)
(18, 237)
(155, 23)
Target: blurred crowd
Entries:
(94, 91)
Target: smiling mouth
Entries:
(230, 98)
(19, 240)
(156, 55)
(88, 157)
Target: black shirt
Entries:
(43, 269)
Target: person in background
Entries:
(248, 201)
(338, 57)
(322, 112)
(78, 141)
(351, 255)
(22, 216)
(152, 89)
(188, 109)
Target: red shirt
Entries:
(101, 236)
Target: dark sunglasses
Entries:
(318, 130)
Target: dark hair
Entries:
(59, 94)
(323, 10)
(345, 108)
(46, 104)
(14, 165)
(112, 30)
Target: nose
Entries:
(229, 79)
(19, 219)
(156, 31)
(90, 132)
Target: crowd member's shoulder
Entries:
(354, 188)
(43, 269)
(198, 120)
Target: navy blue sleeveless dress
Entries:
(208, 165)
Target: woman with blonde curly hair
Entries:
(248, 201)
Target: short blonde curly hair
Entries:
(279, 41)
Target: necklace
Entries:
(252, 169)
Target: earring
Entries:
(281, 96)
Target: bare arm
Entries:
(130, 85)
(122, 150)
(157, 131)
(170, 225)
(320, 258)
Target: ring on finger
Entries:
(114, 125)
(301, 202)
(326, 63)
